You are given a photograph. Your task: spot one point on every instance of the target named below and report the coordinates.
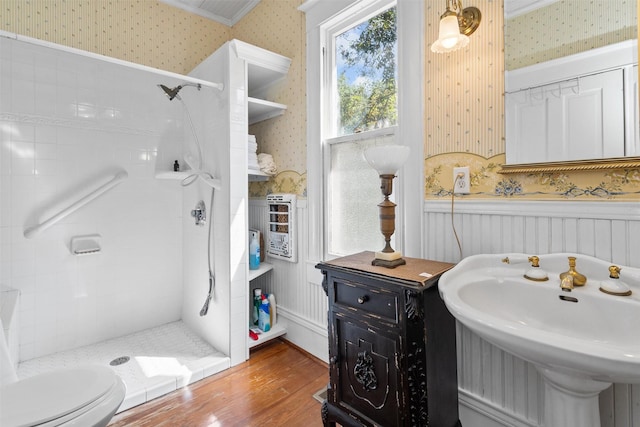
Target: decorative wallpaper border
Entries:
(618, 184)
(290, 182)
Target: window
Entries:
(365, 67)
(360, 90)
(322, 18)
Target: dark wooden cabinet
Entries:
(392, 345)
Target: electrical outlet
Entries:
(461, 184)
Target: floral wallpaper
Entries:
(284, 182)
(567, 27)
(142, 31)
(464, 99)
(464, 124)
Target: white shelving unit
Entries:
(257, 175)
(260, 110)
(276, 330)
(264, 267)
(265, 70)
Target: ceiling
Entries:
(514, 8)
(226, 12)
(229, 12)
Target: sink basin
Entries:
(580, 341)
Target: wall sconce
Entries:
(386, 160)
(456, 24)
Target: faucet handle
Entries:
(614, 272)
(534, 260)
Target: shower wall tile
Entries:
(68, 122)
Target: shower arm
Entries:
(219, 86)
(172, 93)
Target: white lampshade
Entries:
(449, 37)
(386, 159)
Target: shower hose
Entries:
(199, 173)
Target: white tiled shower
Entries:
(69, 121)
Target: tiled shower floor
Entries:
(162, 359)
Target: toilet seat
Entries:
(58, 397)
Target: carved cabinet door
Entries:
(367, 371)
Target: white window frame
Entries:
(344, 21)
(409, 188)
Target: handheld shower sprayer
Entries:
(207, 178)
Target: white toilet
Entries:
(83, 397)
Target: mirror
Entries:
(571, 82)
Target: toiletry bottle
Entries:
(176, 166)
(257, 300)
(272, 309)
(254, 253)
(263, 321)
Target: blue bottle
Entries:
(264, 318)
(254, 252)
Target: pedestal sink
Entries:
(580, 341)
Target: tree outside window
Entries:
(366, 74)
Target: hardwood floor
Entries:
(273, 388)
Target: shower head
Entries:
(173, 93)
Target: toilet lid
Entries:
(52, 395)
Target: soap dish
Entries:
(615, 287)
(85, 245)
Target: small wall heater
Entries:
(281, 237)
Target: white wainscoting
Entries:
(497, 389)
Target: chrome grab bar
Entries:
(37, 229)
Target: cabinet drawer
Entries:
(367, 300)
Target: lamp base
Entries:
(388, 259)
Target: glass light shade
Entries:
(386, 159)
(449, 37)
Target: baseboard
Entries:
(306, 335)
(478, 412)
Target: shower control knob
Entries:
(200, 216)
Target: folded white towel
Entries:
(267, 165)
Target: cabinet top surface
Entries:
(419, 271)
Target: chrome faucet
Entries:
(200, 213)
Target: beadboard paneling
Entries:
(489, 377)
